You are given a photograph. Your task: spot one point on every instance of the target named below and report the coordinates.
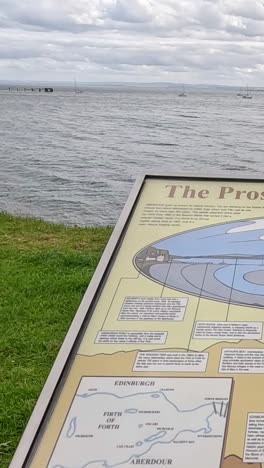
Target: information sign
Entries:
(164, 361)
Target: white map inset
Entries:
(117, 421)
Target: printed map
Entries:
(118, 422)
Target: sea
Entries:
(73, 158)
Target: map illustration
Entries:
(137, 418)
(223, 262)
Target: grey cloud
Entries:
(138, 11)
(210, 16)
(249, 9)
(139, 15)
(139, 38)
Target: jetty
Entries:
(30, 89)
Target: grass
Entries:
(44, 271)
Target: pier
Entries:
(31, 89)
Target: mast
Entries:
(182, 94)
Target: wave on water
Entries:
(74, 160)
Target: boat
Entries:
(183, 94)
(240, 92)
(247, 95)
(77, 90)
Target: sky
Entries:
(182, 41)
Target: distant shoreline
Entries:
(129, 84)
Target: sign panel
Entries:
(164, 363)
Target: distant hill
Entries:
(86, 84)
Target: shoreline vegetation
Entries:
(44, 271)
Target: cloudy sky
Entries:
(191, 41)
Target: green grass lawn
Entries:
(44, 271)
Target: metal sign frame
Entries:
(58, 374)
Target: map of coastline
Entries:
(107, 430)
(222, 262)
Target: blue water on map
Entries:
(198, 260)
(235, 275)
(237, 238)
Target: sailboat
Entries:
(183, 94)
(247, 95)
(240, 92)
(77, 90)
